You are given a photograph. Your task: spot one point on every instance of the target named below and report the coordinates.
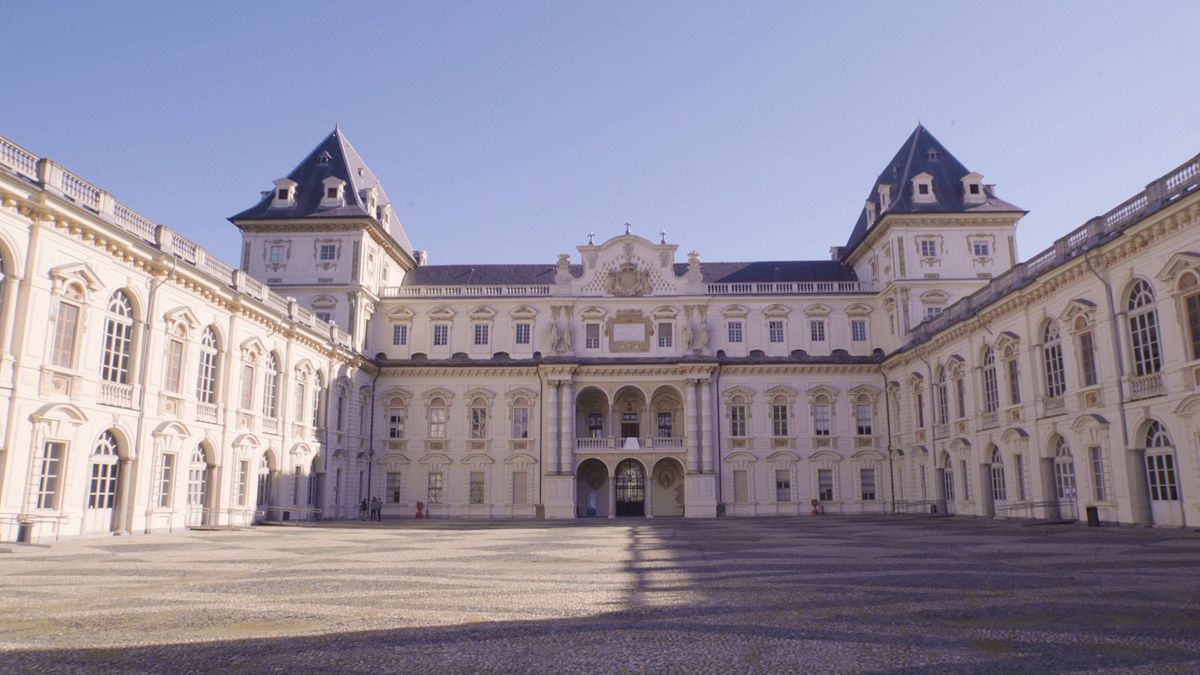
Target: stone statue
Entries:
(703, 342)
(566, 338)
(555, 336)
(688, 336)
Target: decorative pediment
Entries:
(734, 312)
(394, 461)
(1014, 434)
(1079, 307)
(817, 310)
(783, 457)
(479, 392)
(434, 459)
(956, 366)
(746, 393)
(76, 272)
(520, 392)
(781, 390)
(482, 314)
(437, 392)
(1179, 262)
(825, 456)
(478, 460)
(182, 316)
(247, 441)
(858, 309)
(253, 347)
(822, 390)
(323, 302)
(935, 297)
(523, 312)
(1088, 420)
(868, 456)
(777, 311)
(304, 370)
(867, 390)
(401, 313)
(741, 457)
(396, 396)
(916, 381)
(628, 281)
(593, 313)
(1007, 340)
(520, 459)
(300, 451)
(665, 312)
(625, 266)
(961, 444)
(173, 428)
(441, 313)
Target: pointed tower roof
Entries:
(333, 157)
(922, 153)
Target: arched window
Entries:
(1156, 436)
(1143, 329)
(314, 484)
(1012, 365)
(264, 480)
(1052, 360)
(1189, 286)
(437, 418)
(991, 390)
(943, 396)
(197, 480)
(737, 417)
(206, 376)
(779, 416)
(520, 418)
(270, 400)
(397, 415)
(999, 489)
(1064, 468)
(102, 487)
(479, 418)
(1160, 465)
(118, 339)
(66, 327)
(173, 365)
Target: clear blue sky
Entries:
(506, 131)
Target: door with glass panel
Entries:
(999, 485)
(1064, 480)
(103, 478)
(1162, 477)
(197, 494)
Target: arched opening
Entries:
(266, 484)
(1064, 478)
(667, 485)
(666, 409)
(198, 487)
(630, 484)
(629, 413)
(103, 486)
(1162, 478)
(591, 489)
(946, 468)
(591, 415)
(999, 485)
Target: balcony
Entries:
(1146, 386)
(207, 412)
(631, 443)
(1054, 405)
(113, 393)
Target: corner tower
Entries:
(930, 232)
(327, 235)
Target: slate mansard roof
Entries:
(924, 153)
(711, 272)
(334, 156)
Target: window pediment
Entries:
(867, 390)
(253, 347)
(482, 314)
(822, 391)
(401, 314)
(523, 312)
(734, 312)
(781, 390)
(480, 392)
(520, 392)
(858, 309)
(746, 393)
(817, 310)
(442, 313)
(397, 395)
(1179, 262)
(1008, 340)
(777, 311)
(935, 297)
(665, 312)
(593, 313)
(77, 272)
(182, 316)
(437, 392)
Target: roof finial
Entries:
(591, 238)
(627, 226)
(662, 236)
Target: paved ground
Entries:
(831, 594)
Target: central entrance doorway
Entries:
(631, 488)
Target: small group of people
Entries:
(373, 511)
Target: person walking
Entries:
(362, 510)
(378, 503)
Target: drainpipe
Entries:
(717, 402)
(933, 429)
(147, 334)
(371, 437)
(541, 440)
(887, 412)
(23, 299)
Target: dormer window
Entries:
(931, 155)
(923, 189)
(973, 189)
(885, 198)
(284, 194)
(870, 208)
(332, 196)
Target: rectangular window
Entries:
(1014, 382)
(173, 376)
(783, 485)
(1019, 466)
(476, 487)
(48, 475)
(821, 422)
(775, 331)
(666, 335)
(437, 422)
(396, 422)
(478, 423)
(960, 394)
(520, 496)
(1191, 306)
(862, 419)
(341, 412)
(928, 248)
(441, 334)
(325, 316)
(434, 493)
(392, 489)
(817, 328)
(666, 424)
(482, 333)
(981, 249)
(919, 405)
(931, 312)
(166, 478)
(65, 326)
(592, 336)
(247, 387)
(779, 419)
(243, 482)
(741, 486)
(966, 483)
(867, 481)
(523, 333)
(278, 253)
(858, 330)
(737, 421)
(520, 425)
(735, 332)
(825, 485)
(328, 251)
(1087, 359)
(1096, 455)
(399, 334)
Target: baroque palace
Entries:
(148, 386)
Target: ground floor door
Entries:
(1064, 487)
(948, 488)
(631, 488)
(197, 494)
(1165, 507)
(102, 496)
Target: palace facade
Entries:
(148, 386)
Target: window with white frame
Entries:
(102, 486)
(737, 417)
(1099, 477)
(173, 364)
(991, 389)
(479, 419)
(666, 424)
(999, 485)
(928, 248)
(397, 414)
(960, 396)
(477, 487)
(50, 473)
(247, 402)
(441, 334)
(324, 315)
(520, 419)
(825, 485)
(858, 330)
(591, 336)
(242, 484)
(942, 397)
(1019, 468)
(523, 332)
(980, 249)
(118, 339)
(1087, 358)
(1190, 288)
(817, 329)
(437, 418)
(277, 254)
(206, 375)
(866, 477)
(392, 486)
(779, 417)
(775, 331)
(399, 334)
(327, 252)
(1052, 361)
(66, 328)
(270, 404)
(932, 311)
(434, 488)
(316, 402)
(863, 413)
(822, 416)
(735, 332)
(482, 334)
(666, 334)
(166, 479)
(1014, 375)
(1143, 330)
(783, 485)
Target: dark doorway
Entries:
(631, 488)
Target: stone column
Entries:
(612, 495)
(567, 401)
(650, 492)
(691, 434)
(706, 430)
(124, 487)
(552, 422)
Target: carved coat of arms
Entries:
(628, 281)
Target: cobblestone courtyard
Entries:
(831, 594)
